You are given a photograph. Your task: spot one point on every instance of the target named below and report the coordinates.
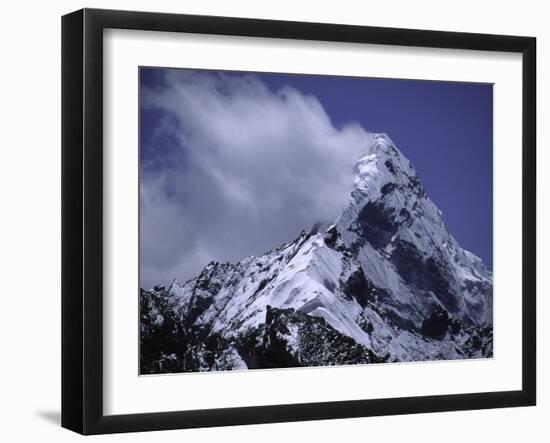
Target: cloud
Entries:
(234, 169)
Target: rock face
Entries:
(386, 282)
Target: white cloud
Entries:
(252, 168)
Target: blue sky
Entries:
(207, 121)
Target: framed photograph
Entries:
(268, 221)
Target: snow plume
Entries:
(245, 169)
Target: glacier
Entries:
(385, 282)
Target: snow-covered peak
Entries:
(387, 276)
(390, 220)
(381, 164)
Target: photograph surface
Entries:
(294, 220)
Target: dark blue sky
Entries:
(445, 129)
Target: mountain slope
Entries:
(385, 282)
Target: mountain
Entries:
(386, 282)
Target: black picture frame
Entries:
(82, 218)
